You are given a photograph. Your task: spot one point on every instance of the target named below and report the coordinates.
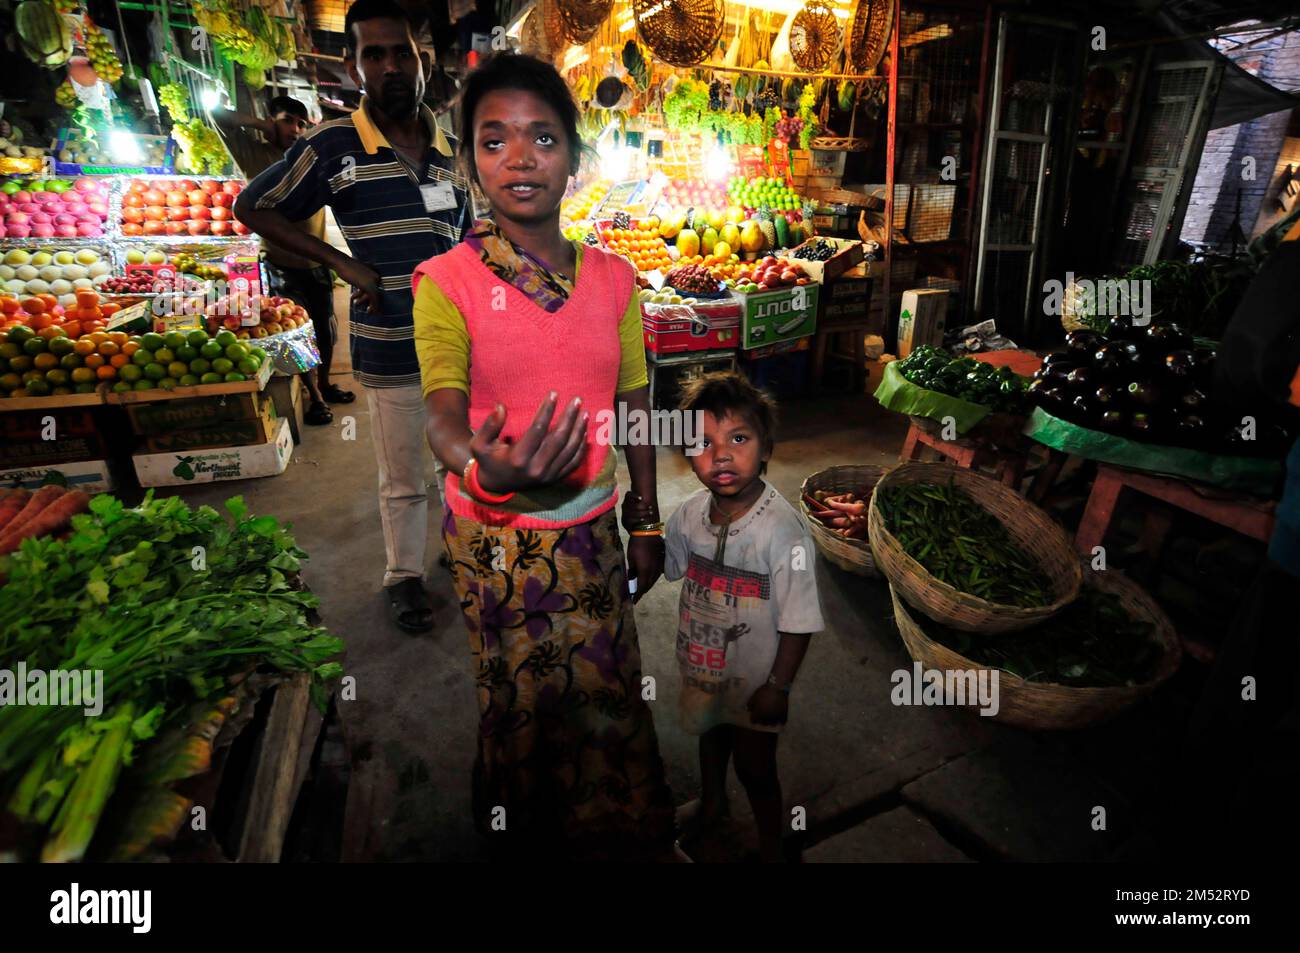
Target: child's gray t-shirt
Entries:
(732, 610)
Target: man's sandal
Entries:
(410, 607)
(337, 395)
(318, 415)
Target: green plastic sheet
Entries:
(1240, 474)
(898, 394)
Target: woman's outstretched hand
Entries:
(540, 456)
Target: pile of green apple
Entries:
(188, 359)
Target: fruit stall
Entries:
(134, 309)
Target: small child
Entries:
(749, 603)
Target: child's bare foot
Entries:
(697, 820)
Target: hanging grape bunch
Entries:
(202, 150)
(66, 96)
(176, 99)
(788, 128)
(103, 58)
(767, 99)
(719, 94)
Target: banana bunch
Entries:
(231, 36)
(103, 58)
(202, 150)
(65, 95)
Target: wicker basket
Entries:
(868, 33)
(582, 18)
(1029, 527)
(680, 32)
(1043, 705)
(851, 555)
(814, 37)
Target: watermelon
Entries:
(44, 34)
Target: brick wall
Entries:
(1213, 203)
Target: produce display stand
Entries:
(970, 452)
(259, 763)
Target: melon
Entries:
(44, 34)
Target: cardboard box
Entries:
(168, 416)
(677, 330)
(231, 433)
(922, 319)
(844, 290)
(780, 315)
(850, 253)
(30, 438)
(93, 476)
(225, 463)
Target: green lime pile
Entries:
(188, 359)
(755, 193)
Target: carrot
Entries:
(37, 502)
(12, 505)
(54, 517)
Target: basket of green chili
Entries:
(1096, 658)
(967, 551)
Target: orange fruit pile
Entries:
(641, 244)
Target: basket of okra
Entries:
(967, 551)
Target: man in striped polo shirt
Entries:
(388, 173)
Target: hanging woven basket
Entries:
(869, 33)
(814, 37)
(680, 32)
(582, 18)
(542, 35)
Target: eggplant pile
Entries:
(1150, 384)
(976, 381)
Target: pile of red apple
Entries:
(691, 193)
(80, 211)
(770, 273)
(255, 316)
(181, 207)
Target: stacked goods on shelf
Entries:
(152, 207)
(53, 208)
(61, 272)
(578, 207)
(121, 596)
(77, 155)
(1148, 384)
(50, 363)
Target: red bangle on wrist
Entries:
(475, 489)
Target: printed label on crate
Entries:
(92, 476)
(780, 315)
(244, 273)
(165, 416)
(207, 466)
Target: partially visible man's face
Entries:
(385, 63)
(288, 128)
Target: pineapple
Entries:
(764, 219)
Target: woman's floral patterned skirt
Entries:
(567, 744)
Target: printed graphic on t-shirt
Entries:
(708, 630)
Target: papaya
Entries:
(846, 93)
(782, 231)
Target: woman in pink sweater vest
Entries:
(512, 326)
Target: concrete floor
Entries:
(877, 782)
